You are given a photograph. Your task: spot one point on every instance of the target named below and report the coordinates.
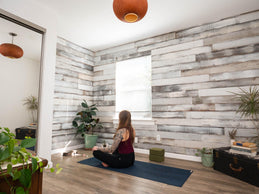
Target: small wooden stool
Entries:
(157, 154)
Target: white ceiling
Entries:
(93, 25)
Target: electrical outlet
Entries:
(158, 137)
(136, 140)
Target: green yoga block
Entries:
(157, 151)
(156, 158)
(157, 154)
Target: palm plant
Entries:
(232, 133)
(32, 105)
(249, 105)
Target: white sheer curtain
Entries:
(133, 87)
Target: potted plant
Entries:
(32, 105)
(18, 179)
(232, 135)
(85, 123)
(249, 106)
(206, 156)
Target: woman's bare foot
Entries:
(105, 165)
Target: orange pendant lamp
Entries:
(11, 50)
(130, 10)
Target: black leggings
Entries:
(115, 160)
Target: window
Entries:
(133, 87)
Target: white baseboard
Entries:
(137, 150)
(171, 155)
(67, 149)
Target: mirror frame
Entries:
(24, 23)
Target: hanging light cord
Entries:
(13, 35)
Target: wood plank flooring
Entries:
(82, 179)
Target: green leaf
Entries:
(81, 126)
(27, 143)
(9, 168)
(79, 113)
(20, 190)
(40, 164)
(14, 160)
(4, 154)
(20, 159)
(34, 165)
(78, 119)
(16, 148)
(59, 170)
(4, 138)
(52, 170)
(22, 154)
(7, 130)
(25, 177)
(93, 113)
(74, 123)
(57, 165)
(17, 175)
(84, 104)
(11, 145)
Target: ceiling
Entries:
(93, 25)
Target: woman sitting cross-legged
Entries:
(121, 153)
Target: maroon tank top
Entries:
(125, 147)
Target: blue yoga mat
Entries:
(154, 172)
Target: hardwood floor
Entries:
(82, 179)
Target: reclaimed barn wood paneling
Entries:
(73, 84)
(194, 72)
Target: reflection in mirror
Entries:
(19, 80)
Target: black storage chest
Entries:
(237, 165)
(22, 132)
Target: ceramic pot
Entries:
(90, 141)
(207, 160)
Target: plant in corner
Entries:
(206, 156)
(32, 105)
(12, 153)
(85, 123)
(249, 106)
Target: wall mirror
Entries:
(20, 78)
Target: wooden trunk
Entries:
(237, 165)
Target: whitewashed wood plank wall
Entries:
(73, 83)
(193, 72)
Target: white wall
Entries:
(19, 78)
(37, 14)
